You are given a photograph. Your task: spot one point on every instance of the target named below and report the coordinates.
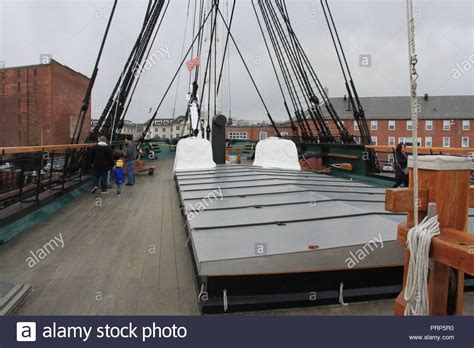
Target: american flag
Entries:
(193, 63)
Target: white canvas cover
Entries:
(193, 154)
(276, 153)
(441, 162)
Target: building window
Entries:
(163, 130)
(391, 125)
(356, 125)
(447, 125)
(19, 119)
(284, 135)
(374, 140)
(391, 141)
(428, 142)
(429, 125)
(156, 130)
(177, 128)
(390, 158)
(263, 135)
(34, 72)
(18, 87)
(446, 141)
(177, 136)
(18, 73)
(465, 142)
(466, 125)
(373, 125)
(408, 141)
(19, 103)
(238, 135)
(409, 125)
(19, 135)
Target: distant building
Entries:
(444, 121)
(130, 128)
(39, 104)
(166, 128)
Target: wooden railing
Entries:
(46, 148)
(425, 150)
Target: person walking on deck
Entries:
(119, 177)
(102, 158)
(130, 156)
(401, 162)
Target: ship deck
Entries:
(126, 256)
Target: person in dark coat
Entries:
(102, 158)
(401, 162)
(130, 157)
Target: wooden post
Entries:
(444, 180)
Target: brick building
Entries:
(444, 121)
(39, 104)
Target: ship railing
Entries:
(383, 153)
(28, 172)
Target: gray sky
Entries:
(72, 30)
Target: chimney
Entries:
(426, 96)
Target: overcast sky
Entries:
(72, 30)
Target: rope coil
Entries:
(416, 288)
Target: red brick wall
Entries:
(35, 103)
(24, 95)
(68, 90)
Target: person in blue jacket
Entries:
(119, 176)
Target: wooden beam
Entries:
(400, 200)
(452, 247)
(425, 150)
(338, 155)
(29, 149)
(438, 289)
(471, 197)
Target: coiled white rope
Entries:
(416, 288)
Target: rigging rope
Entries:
(414, 104)
(145, 131)
(250, 74)
(293, 127)
(86, 101)
(182, 51)
(416, 287)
